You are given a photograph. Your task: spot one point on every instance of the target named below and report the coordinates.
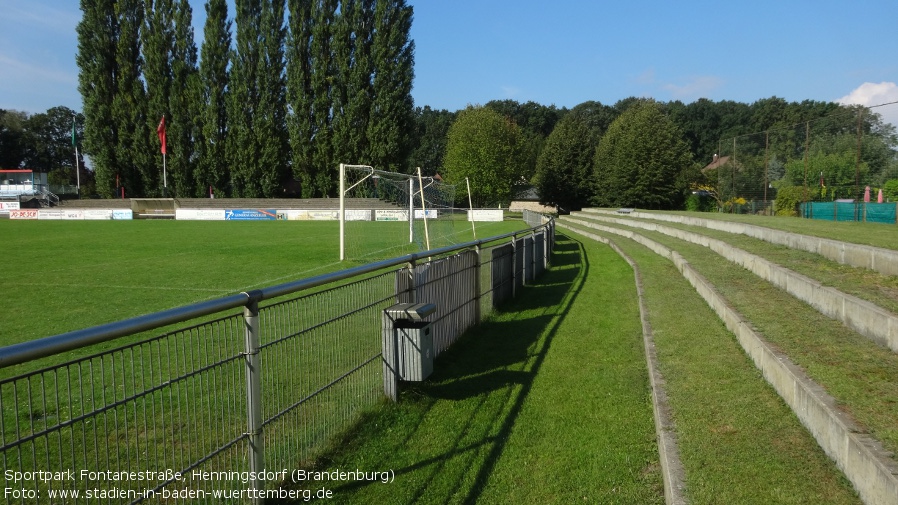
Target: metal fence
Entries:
(830, 158)
(222, 410)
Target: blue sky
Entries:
(562, 52)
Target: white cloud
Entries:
(872, 94)
(41, 16)
(511, 92)
(696, 87)
(31, 73)
(647, 77)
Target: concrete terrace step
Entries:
(874, 258)
(862, 458)
(866, 318)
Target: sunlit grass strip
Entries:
(738, 441)
(546, 402)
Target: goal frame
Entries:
(372, 173)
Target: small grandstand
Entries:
(25, 188)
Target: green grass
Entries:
(62, 276)
(739, 442)
(547, 402)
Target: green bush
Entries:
(890, 190)
(700, 203)
(787, 200)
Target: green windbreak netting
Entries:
(849, 211)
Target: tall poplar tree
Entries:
(212, 166)
(97, 36)
(157, 45)
(140, 175)
(299, 94)
(270, 128)
(183, 133)
(392, 109)
(323, 80)
(352, 98)
(243, 103)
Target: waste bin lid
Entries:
(413, 311)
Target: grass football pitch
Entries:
(62, 276)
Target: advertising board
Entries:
(200, 214)
(391, 215)
(64, 214)
(485, 215)
(97, 213)
(250, 215)
(23, 214)
(431, 213)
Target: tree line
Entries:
(256, 127)
(649, 154)
(275, 98)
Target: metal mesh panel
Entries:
(529, 274)
(450, 283)
(321, 367)
(164, 403)
(502, 271)
(539, 254)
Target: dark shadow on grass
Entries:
(494, 357)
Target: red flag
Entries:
(160, 130)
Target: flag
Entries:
(160, 130)
(74, 142)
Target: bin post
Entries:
(390, 357)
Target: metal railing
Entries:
(216, 410)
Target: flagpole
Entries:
(77, 168)
(160, 130)
(77, 174)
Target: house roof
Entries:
(717, 163)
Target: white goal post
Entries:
(343, 190)
(426, 203)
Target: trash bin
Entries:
(407, 344)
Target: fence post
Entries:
(477, 287)
(514, 266)
(256, 449)
(532, 256)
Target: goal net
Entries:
(388, 214)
